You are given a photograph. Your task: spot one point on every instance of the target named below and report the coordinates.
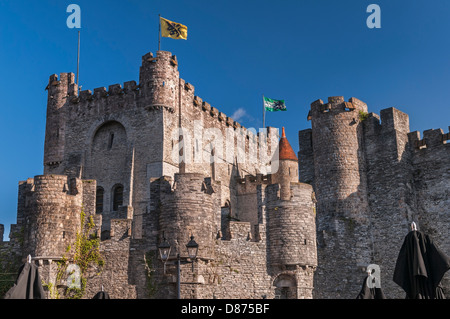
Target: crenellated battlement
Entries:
(252, 179)
(158, 80)
(63, 85)
(50, 183)
(102, 92)
(336, 105)
(163, 59)
(249, 183)
(56, 186)
(432, 138)
(389, 120)
(206, 108)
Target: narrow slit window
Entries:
(117, 197)
(99, 200)
(111, 141)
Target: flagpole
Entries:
(78, 60)
(264, 113)
(159, 33)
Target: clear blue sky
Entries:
(296, 50)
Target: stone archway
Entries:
(109, 164)
(285, 287)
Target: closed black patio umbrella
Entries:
(370, 293)
(420, 266)
(28, 284)
(101, 295)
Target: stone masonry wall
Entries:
(407, 180)
(341, 189)
(431, 185)
(233, 263)
(390, 193)
(291, 226)
(52, 215)
(371, 178)
(116, 275)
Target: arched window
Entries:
(99, 200)
(117, 197)
(285, 287)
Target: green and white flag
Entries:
(274, 105)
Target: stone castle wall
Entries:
(397, 178)
(261, 233)
(233, 260)
(125, 137)
(430, 179)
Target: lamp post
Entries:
(164, 251)
(192, 250)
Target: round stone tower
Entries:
(341, 190)
(189, 210)
(53, 216)
(291, 225)
(292, 233)
(159, 80)
(58, 92)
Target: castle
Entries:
(153, 163)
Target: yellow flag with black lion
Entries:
(174, 30)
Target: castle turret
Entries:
(58, 93)
(287, 167)
(159, 80)
(52, 215)
(189, 207)
(291, 223)
(341, 188)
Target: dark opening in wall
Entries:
(99, 200)
(117, 197)
(111, 140)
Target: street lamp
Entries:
(192, 250)
(164, 251)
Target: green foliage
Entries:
(363, 116)
(87, 246)
(84, 253)
(152, 286)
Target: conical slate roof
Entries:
(285, 150)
